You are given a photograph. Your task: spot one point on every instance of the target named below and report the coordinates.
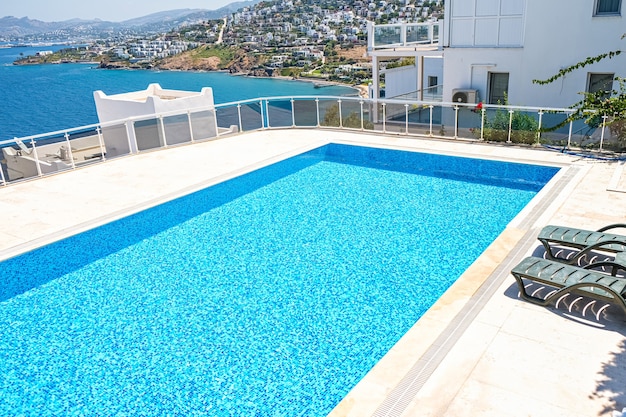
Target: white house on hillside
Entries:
(495, 47)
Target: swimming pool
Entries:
(271, 294)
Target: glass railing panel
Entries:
(469, 120)
(614, 137)
(279, 113)
(305, 113)
(52, 152)
(229, 116)
(368, 116)
(148, 134)
(19, 162)
(386, 35)
(351, 114)
(5, 152)
(177, 129)
(329, 113)
(554, 130)
(524, 127)
(116, 143)
(204, 125)
(445, 125)
(419, 118)
(251, 118)
(581, 135)
(496, 127)
(434, 93)
(86, 146)
(417, 33)
(396, 118)
(591, 137)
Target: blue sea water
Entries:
(271, 294)
(43, 98)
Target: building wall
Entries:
(400, 81)
(403, 80)
(553, 35)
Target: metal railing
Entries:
(434, 93)
(64, 150)
(402, 35)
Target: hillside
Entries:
(211, 58)
(14, 27)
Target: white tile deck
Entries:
(510, 358)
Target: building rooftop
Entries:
(479, 351)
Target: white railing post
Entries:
(456, 122)
(101, 142)
(431, 33)
(431, 120)
(267, 113)
(293, 114)
(603, 129)
(262, 115)
(384, 105)
(190, 126)
(406, 119)
(39, 173)
(403, 29)
(483, 112)
(69, 150)
(569, 136)
(371, 33)
(539, 127)
(362, 123)
(510, 125)
(163, 131)
(132, 137)
(340, 116)
(4, 181)
(239, 115)
(317, 109)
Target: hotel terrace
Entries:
(479, 350)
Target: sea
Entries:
(38, 99)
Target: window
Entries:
(498, 87)
(432, 81)
(600, 82)
(608, 7)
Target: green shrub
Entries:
(353, 120)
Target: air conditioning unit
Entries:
(460, 95)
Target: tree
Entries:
(607, 105)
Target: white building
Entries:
(498, 46)
(490, 48)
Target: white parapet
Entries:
(133, 121)
(152, 101)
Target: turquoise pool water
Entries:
(271, 294)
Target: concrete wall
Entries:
(153, 100)
(403, 80)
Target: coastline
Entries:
(362, 90)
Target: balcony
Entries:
(403, 36)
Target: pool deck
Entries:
(479, 351)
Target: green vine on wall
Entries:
(604, 106)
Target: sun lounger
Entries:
(585, 241)
(568, 278)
